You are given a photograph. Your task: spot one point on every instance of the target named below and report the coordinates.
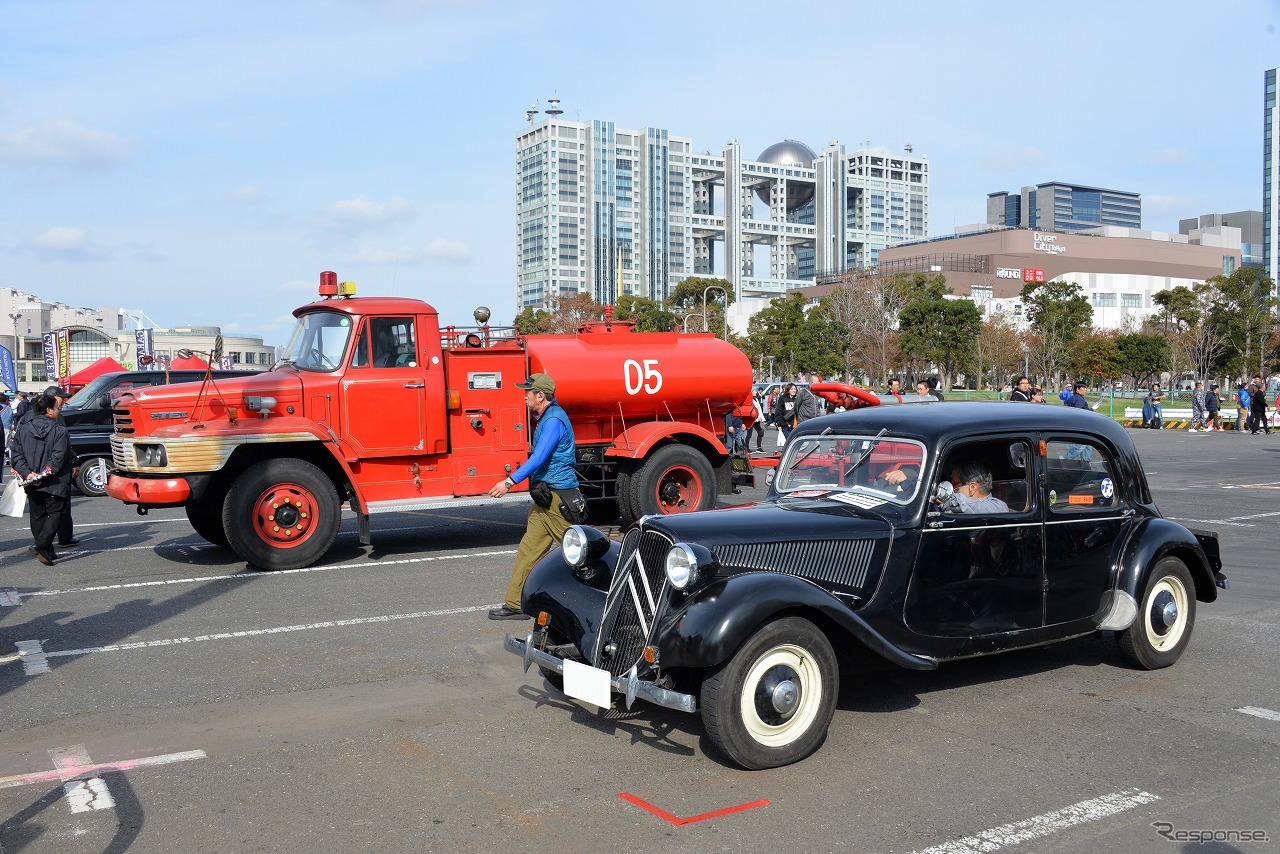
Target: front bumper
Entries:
(630, 686)
(149, 492)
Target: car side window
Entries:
(987, 477)
(1079, 476)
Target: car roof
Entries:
(937, 422)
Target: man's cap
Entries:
(54, 391)
(539, 382)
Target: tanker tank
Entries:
(650, 376)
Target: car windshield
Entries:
(318, 341)
(85, 396)
(882, 467)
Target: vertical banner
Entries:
(7, 374)
(64, 353)
(226, 363)
(50, 342)
(142, 337)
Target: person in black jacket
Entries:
(42, 458)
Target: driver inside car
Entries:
(971, 481)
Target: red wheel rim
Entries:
(679, 490)
(284, 515)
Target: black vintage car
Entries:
(919, 534)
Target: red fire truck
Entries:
(373, 403)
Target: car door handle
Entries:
(414, 385)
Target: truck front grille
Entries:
(637, 596)
(123, 421)
(121, 459)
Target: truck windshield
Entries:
(884, 467)
(318, 341)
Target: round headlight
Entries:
(574, 545)
(682, 566)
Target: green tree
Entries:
(648, 315)
(1179, 308)
(1243, 315)
(798, 340)
(941, 331)
(686, 298)
(1142, 356)
(1096, 357)
(1059, 315)
(531, 322)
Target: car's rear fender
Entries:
(1157, 538)
(712, 623)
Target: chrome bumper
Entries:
(630, 686)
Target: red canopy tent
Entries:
(84, 376)
(187, 363)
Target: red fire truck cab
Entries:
(375, 405)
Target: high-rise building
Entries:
(1249, 223)
(609, 211)
(1270, 177)
(1056, 206)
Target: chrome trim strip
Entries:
(635, 598)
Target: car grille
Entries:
(638, 594)
(840, 562)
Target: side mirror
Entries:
(943, 491)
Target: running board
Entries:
(400, 505)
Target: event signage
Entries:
(1008, 273)
(142, 339)
(1047, 243)
(50, 344)
(7, 374)
(1031, 274)
(64, 353)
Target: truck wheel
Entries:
(1166, 616)
(676, 479)
(622, 488)
(92, 480)
(771, 703)
(281, 514)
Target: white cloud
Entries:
(449, 251)
(1168, 156)
(369, 255)
(361, 214)
(65, 243)
(250, 193)
(64, 143)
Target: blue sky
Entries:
(204, 161)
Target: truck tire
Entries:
(281, 514)
(622, 488)
(92, 480)
(205, 516)
(676, 479)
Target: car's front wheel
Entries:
(92, 479)
(771, 703)
(1166, 616)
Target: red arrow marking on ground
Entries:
(677, 821)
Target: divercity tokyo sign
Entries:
(1048, 243)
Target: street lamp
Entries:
(726, 308)
(770, 368)
(1026, 360)
(15, 317)
(686, 321)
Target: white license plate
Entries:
(587, 683)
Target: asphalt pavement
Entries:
(171, 700)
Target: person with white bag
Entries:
(41, 458)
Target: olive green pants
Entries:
(542, 532)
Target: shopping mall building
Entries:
(1119, 269)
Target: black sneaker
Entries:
(69, 544)
(506, 613)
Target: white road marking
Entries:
(241, 576)
(101, 767)
(44, 656)
(33, 658)
(1043, 825)
(1261, 713)
(82, 795)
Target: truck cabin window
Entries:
(386, 342)
(318, 341)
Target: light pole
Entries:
(726, 308)
(1026, 360)
(15, 317)
(771, 369)
(686, 321)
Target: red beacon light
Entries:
(328, 284)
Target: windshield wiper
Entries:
(870, 446)
(798, 460)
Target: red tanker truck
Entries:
(373, 403)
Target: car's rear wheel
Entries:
(1166, 615)
(771, 703)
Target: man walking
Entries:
(1242, 407)
(1212, 404)
(1258, 406)
(553, 483)
(42, 459)
(1197, 409)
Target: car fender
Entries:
(639, 440)
(574, 607)
(715, 620)
(1156, 538)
